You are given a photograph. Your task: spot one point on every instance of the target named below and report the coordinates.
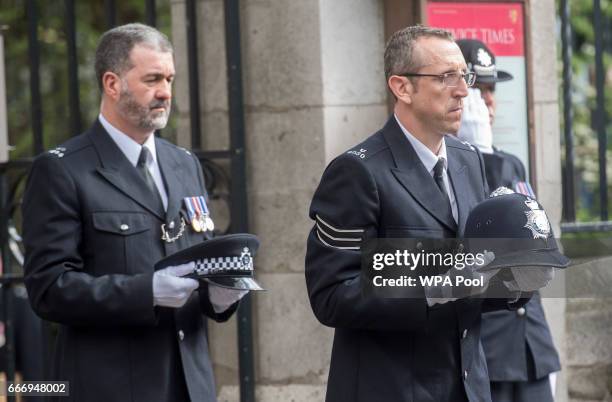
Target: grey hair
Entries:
(113, 51)
(399, 51)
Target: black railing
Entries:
(240, 218)
(216, 175)
(34, 58)
(599, 120)
(569, 208)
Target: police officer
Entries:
(503, 169)
(518, 345)
(98, 212)
(410, 180)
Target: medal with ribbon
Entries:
(192, 211)
(207, 222)
(199, 215)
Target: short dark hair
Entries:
(399, 51)
(113, 51)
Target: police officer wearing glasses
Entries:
(411, 179)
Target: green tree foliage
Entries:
(51, 31)
(584, 104)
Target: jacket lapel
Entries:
(457, 170)
(413, 176)
(171, 171)
(119, 172)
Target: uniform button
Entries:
(465, 373)
(521, 311)
(171, 225)
(124, 227)
(181, 334)
(464, 334)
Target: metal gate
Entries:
(13, 172)
(602, 43)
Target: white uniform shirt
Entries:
(429, 160)
(131, 149)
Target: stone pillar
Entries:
(544, 84)
(314, 85)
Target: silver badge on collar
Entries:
(537, 221)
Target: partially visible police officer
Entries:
(411, 180)
(98, 212)
(503, 169)
(518, 345)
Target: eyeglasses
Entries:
(448, 79)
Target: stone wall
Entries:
(589, 329)
(546, 140)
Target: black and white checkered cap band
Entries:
(216, 265)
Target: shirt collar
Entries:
(428, 158)
(130, 148)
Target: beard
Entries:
(143, 116)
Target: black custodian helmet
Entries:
(515, 227)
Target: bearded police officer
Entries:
(408, 180)
(98, 212)
(520, 352)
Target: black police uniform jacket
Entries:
(92, 236)
(503, 169)
(395, 350)
(517, 344)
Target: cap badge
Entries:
(246, 259)
(537, 221)
(501, 191)
(483, 57)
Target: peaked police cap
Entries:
(225, 261)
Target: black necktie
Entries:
(148, 178)
(439, 178)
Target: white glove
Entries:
(530, 279)
(169, 289)
(475, 126)
(445, 294)
(223, 298)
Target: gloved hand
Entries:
(475, 126)
(169, 289)
(223, 298)
(529, 279)
(444, 294)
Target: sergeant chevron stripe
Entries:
(345, 239)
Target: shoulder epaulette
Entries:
(368, 148)
(57, 151)
(468, 145)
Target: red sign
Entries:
(499, 25)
